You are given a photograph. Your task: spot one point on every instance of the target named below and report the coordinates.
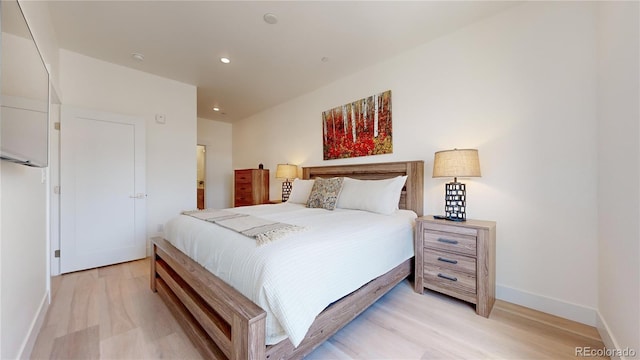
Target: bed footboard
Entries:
(224, 324)
(220, 321)
(341, 313)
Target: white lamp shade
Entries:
(286, 171)
(456, 163)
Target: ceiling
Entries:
(270, 64)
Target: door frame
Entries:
(204, 173)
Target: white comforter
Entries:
(293, 279)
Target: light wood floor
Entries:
(110, 313)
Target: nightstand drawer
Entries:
(457, 282)
(449, 261)
(463, 244)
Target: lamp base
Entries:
(455, 201)
(286, 190)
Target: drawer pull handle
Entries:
(440, 275)
(447, 260)
(447, 241)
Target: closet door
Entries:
(103, 200)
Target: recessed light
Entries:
(215, 108)
(137, 57)
(225, 60)
(270, 18)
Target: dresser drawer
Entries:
(242, 202)
(452, 281)
(243, 176)
(244, 188)
(449, 261)
(463, 244)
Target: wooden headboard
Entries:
(412, 194)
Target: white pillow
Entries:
(300, 191)
(378, 196)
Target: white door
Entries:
(102, 180)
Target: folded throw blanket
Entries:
(263, 230)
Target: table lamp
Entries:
(456, 163)
(286, 172)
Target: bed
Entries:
(223, 323)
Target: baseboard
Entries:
(608, 339)
(567, 310)
(34, 329)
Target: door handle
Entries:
(138, 196)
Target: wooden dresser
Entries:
(200, 202)
(457, 259)
(251, 187)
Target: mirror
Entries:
(24, 101)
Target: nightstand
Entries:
(457, 259)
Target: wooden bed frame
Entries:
(224, 324)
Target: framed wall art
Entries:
(359, 128)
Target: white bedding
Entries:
(293, 279)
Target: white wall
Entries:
(619, 174)
(39, 19)
(520, 87)
(23, 255)
(23, 222)
(171, 161)
(23, 74)
(216, 136)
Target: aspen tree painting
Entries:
(360, 128)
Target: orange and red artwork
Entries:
(360, 128)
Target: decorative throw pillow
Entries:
(300, 191)
(324, 193)
(378, 196)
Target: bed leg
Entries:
(248, 338)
